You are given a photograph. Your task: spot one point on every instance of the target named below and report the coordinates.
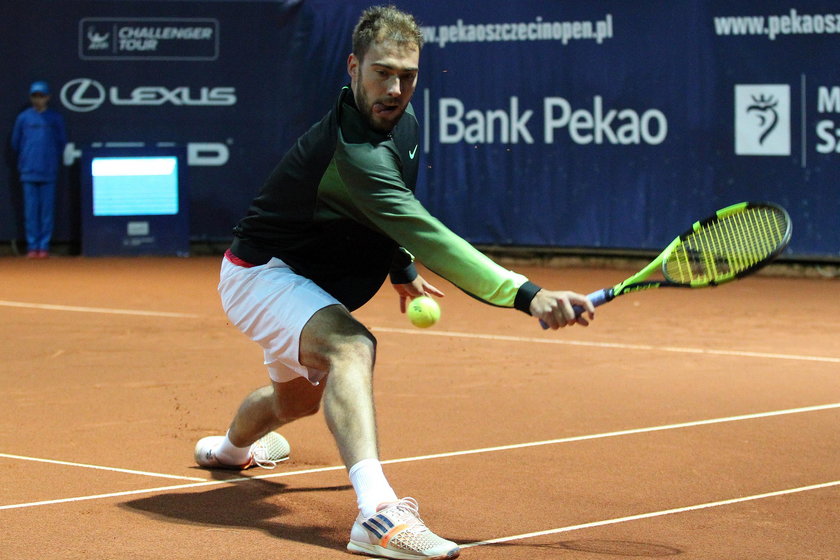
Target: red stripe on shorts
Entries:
(236, 260)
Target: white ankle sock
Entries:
(370, 485)
(229, 454)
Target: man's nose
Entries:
(394, 87)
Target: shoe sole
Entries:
(376, 550)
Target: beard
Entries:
(377, 114)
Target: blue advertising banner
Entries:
(594, 124)
(616, 124)
(219, 79)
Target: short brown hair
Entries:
(379, 23)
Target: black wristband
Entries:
(404, 276)
(526, 293)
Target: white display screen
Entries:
(135, 186)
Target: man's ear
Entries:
(352, 65)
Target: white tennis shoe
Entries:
(396, 531)
(266, 452)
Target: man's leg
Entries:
(251, 439)
(305, 332)
(31, 216)
(270, 407)
(333, 341)
(45, 219)
(271, 305)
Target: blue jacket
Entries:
(39, 139)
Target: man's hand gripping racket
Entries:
(732, 243)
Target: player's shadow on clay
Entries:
(255, 505)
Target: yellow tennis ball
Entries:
(423, 312)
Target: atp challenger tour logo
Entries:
(106, 38)
(593, 123)
(762, 120)
(97, 41)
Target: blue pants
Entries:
(39, 201)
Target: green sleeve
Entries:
(372, 185)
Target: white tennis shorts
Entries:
(271, 305)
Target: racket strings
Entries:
(724, 248)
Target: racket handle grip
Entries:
(597, 298)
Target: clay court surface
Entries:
(689, 424)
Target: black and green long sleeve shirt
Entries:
(340, 209)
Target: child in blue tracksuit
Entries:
(38, 139)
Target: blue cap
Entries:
(39, 87)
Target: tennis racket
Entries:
(730, 244)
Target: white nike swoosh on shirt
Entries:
(411, 153)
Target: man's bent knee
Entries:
(296, 399)
(333, 338)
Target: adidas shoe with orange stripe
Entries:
(396, 531)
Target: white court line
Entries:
(107, 310)
(646, 347)
(117, 494)
(443, 455)
(455, 334)
(620, 433)
(99, 467)
(655, 514)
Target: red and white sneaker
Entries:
(266, 452)
(396, 531)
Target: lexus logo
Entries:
(82, 95)
(85, 95)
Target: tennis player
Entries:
(335, 218)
